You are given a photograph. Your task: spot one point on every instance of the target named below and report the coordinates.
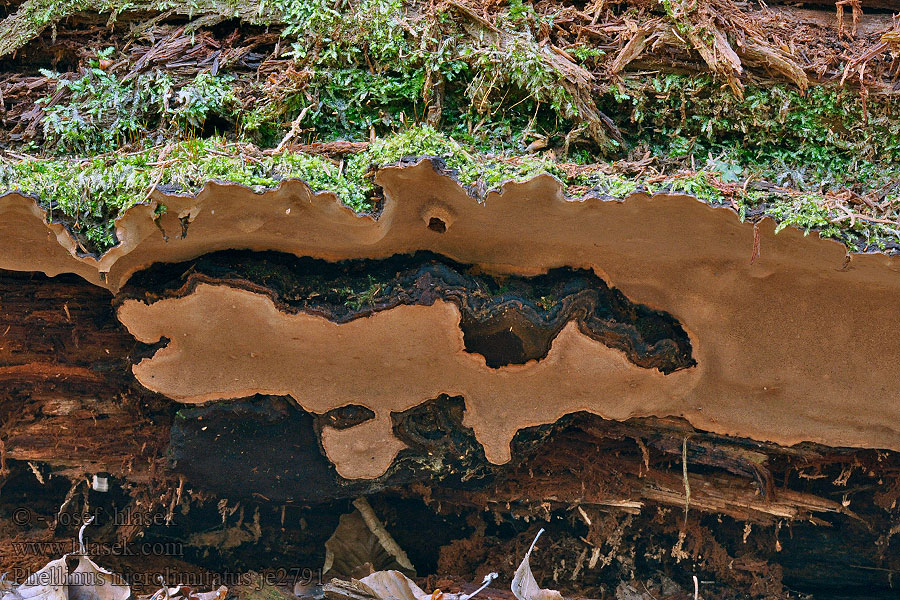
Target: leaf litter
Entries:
(89, 581)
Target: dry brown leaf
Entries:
(361, 545)
(393, 585)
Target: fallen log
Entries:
(255, 385)
(99, 383)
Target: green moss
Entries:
(826, 139)
(41, 13)
(471, 166)
(101, 111)
(814, 212)
(365, 297)
(367, 65)
(91, 193)
(614, 186)
(379, 65)
(587, 54)
(698, 185)
(806, 211)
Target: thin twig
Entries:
(162, 169)
(295, 129)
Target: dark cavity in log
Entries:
(243, 465)
(508, 320)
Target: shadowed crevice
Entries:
(507, 320)
(347, 416)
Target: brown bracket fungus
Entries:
(229, 343)
(788, 348)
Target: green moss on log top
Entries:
(88, 194)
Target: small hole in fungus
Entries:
(436, 224)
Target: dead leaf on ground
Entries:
(361, 546)
(524, 586)
(394, 585)
(391, 585)
(87, 581)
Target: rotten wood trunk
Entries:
(647, 494)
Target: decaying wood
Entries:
(337, 148)
(734, 489)
(67, 396)
(34, 16)
(72, 410)
(738, 42)
(775, 58)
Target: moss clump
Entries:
(472, 167)
(805, 211)
(380, 65)
(355, 68)
(605, 184)
(91, 193)
(828, 138)
(102, 111)
(699, 184)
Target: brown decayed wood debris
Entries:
(740, 42)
